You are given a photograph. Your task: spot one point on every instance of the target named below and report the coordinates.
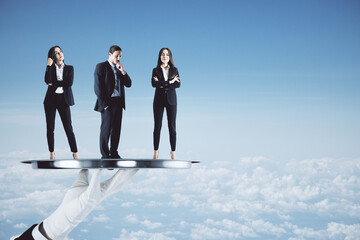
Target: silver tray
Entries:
(109, 163)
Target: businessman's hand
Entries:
(81, 199)
(121, 68)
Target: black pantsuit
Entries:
(61, 102)
(165, 98)
(171, 120)
(65, 115)
(110, 107)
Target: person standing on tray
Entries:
(165, 78)
(59, 78)
(110, 78)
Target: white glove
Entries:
(81, 199)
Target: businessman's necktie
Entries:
(117, 79)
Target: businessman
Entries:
(110, 78)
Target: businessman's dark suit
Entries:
(165, 97)
(61, 102)
(104, 84)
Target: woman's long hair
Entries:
(51, 53)
(171, 61)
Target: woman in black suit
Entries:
(59, 78)
(165, 78)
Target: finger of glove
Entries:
(82, 179)
(115, 183)
(94, 186)
(108, 183)
(119, 178)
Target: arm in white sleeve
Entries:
(81, 199)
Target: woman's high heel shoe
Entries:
(172, 153)
(156, 154)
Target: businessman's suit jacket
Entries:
(104, 84)
(68, 79)
(164, 90)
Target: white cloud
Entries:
(101, 218)
(334, 231)
(151, 225)
(180, 200)
(183, 224)
(260, 226)
(225, 223)
(128, 204)
(20, 225)
(228, 229)
(142, 235)
(309, 233)
(342, 231)
(149, 185)
(201, 231)
(153, 204)
(132, 219)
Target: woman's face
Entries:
(59, 56)
(165, 57)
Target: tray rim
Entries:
(96, 163)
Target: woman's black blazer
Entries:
(68, 79)
(164, 91)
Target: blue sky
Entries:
(270, 90)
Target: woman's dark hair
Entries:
(171, 61)
(114, 48)
(51, 53)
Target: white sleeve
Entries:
(37, 234)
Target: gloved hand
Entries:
(81, 199)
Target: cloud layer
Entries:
(248, 198)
